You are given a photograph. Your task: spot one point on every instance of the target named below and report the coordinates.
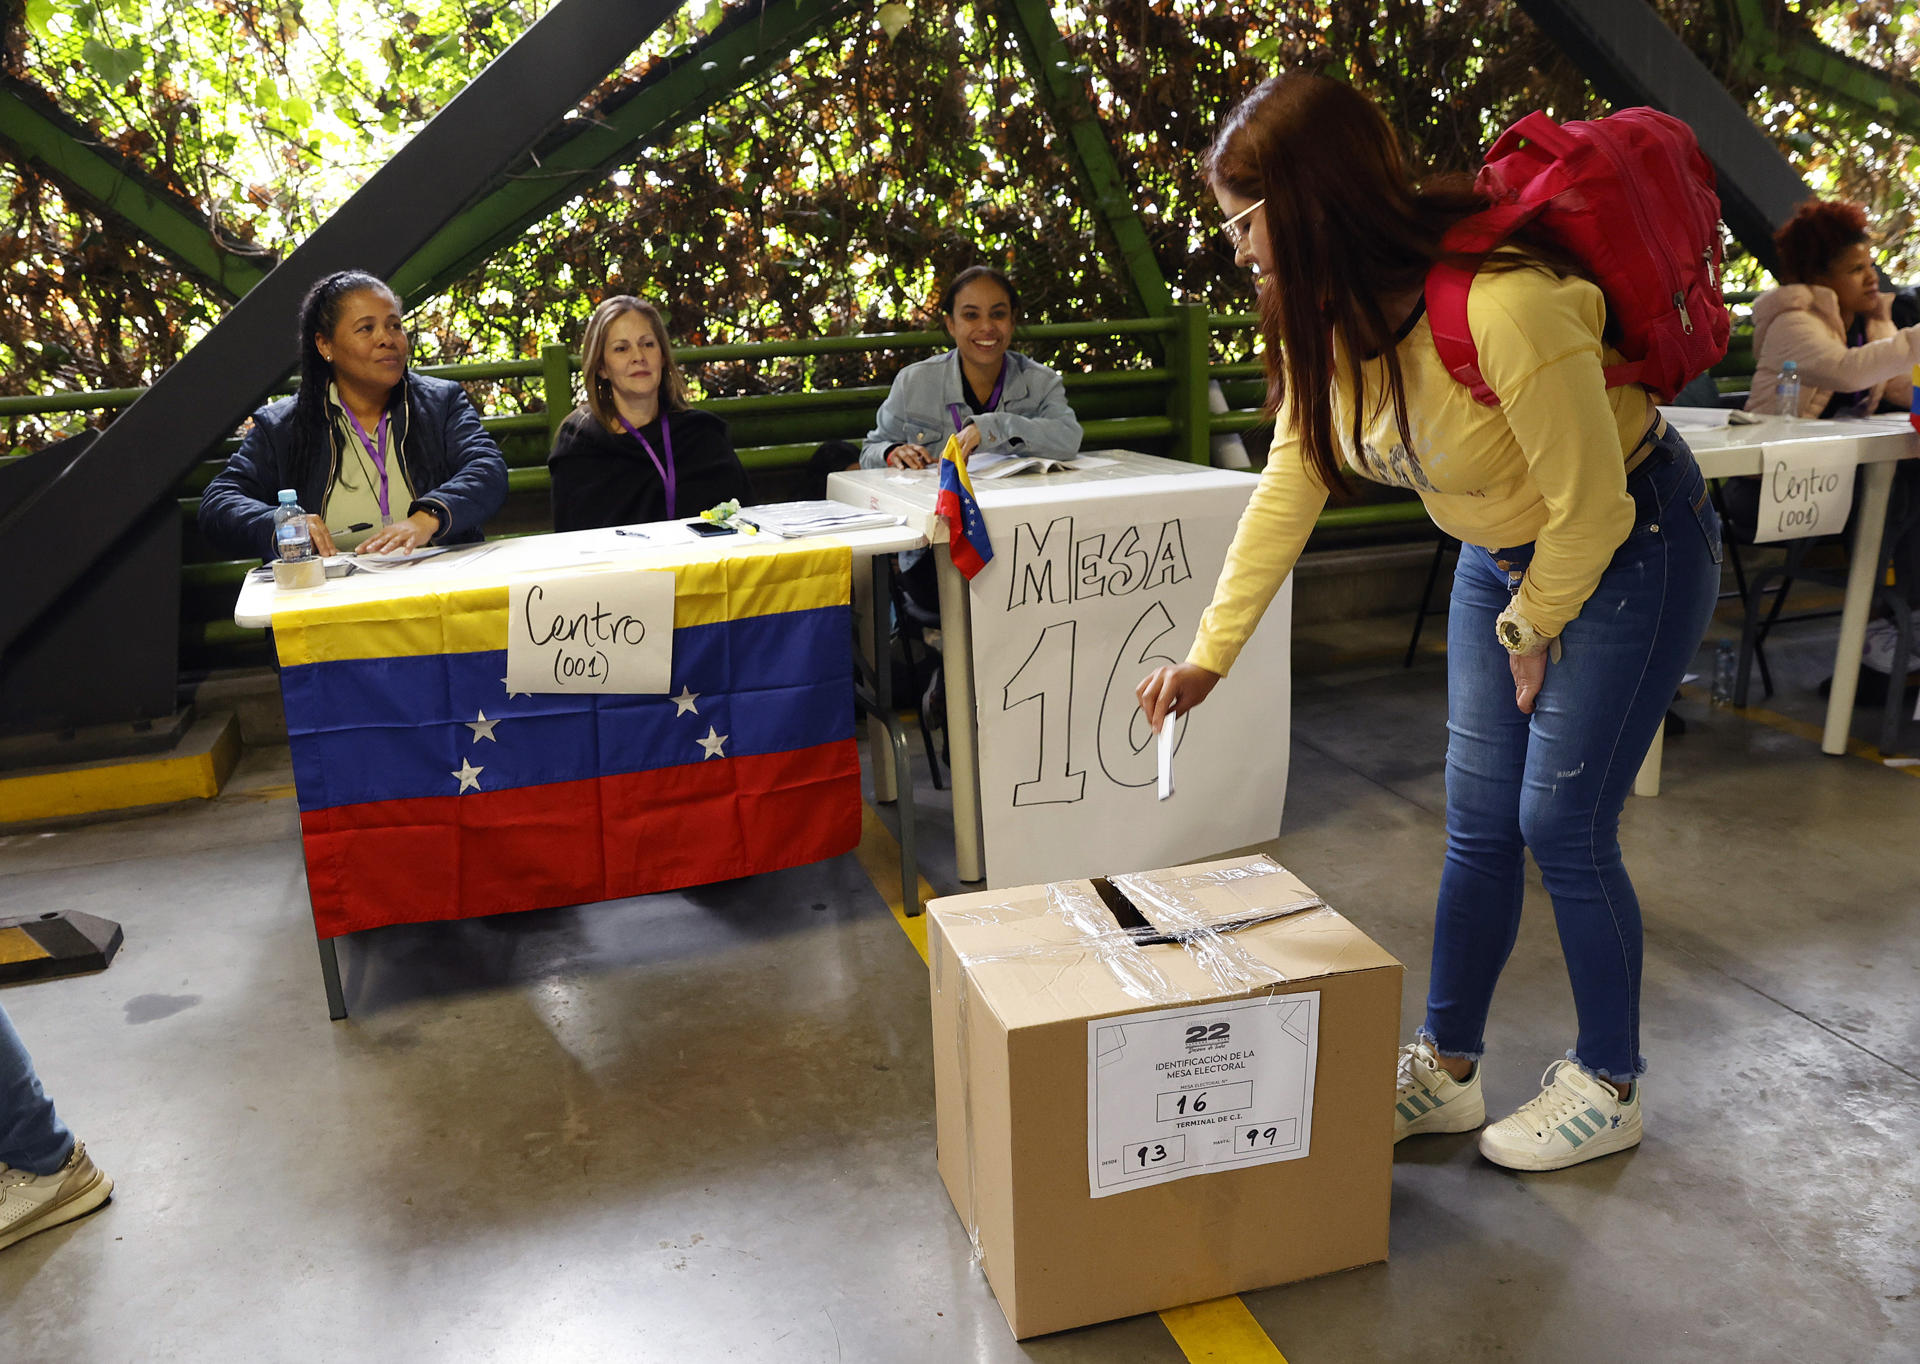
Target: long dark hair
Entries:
(1347, 226)
(319, 315)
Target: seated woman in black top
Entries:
(634, 451)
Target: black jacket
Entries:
(604, 479)
(450, 461)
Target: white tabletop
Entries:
(499, 561)
(911, 492)
(1731, 451)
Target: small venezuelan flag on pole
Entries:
(1915, 418)
(956, 505)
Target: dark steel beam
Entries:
(677, 90)
(50, 540)
(91, 175)
(1632, 58)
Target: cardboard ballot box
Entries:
(1161, 1088)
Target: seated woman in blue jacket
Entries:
(383, 460)
(996, 400)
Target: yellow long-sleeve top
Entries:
(1547, 467)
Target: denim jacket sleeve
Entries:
(236, 510)
(894, 423)
(1043, 424)
(477, 486)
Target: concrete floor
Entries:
(698, 1127)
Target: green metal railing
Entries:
(1163, 403)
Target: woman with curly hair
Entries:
(1831, 320)
(1834, 323)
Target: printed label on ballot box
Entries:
(1187, 1091)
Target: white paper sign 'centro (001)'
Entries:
(610, 633)
(1178, 1092)
(1804, 495)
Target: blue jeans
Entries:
(1555, 782)
(32, 1137)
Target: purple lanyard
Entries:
(378, 454)
(666, 470)
(959, 413)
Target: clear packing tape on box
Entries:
(1115, 922)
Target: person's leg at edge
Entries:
(32, 1137)
(46, 1177)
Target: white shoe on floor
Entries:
(1430, 1100)
(1575, 1118)
(34, 1203)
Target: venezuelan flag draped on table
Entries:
(967, 538)
(426, 791)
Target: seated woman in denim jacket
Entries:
(994, 399)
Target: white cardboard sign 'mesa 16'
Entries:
(598, 632)
(1187, 1091)
(1089, 589)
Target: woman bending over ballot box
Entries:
(384, 460)
(996, 400)
(1587, 575)
(634, 450)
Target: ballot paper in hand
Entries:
(1166, 755)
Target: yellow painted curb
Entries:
(195, 770)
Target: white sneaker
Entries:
(1575, 1118)
(1877, 651)
(1430, 1100)
(32, 1203)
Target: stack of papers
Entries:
(792, 520)
(1006, 466)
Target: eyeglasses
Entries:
(1235, 226)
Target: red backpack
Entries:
(1631, 197)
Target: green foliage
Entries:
(830, 192)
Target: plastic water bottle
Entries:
(1786, 392)
(1726, 669)
(292, 536)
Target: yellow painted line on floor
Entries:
(284, 791)
(879, 854)
(1799, 729)
(1222, 1331)
(16, 945)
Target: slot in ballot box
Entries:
(1160, 1088)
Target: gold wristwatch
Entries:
(1516, 636)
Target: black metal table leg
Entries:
(330, 975)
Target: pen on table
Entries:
(359, 526)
